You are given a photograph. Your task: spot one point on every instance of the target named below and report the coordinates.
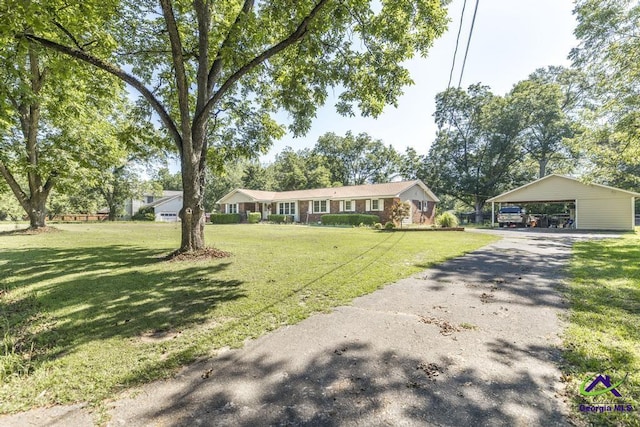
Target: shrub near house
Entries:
(226, 218)
(349, 219)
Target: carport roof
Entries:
(513, 195)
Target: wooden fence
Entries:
(80, 217)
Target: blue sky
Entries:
(510, 40)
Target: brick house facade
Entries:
(308, 206)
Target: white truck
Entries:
(513, 215)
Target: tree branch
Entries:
(203, 16)
(178, 63)
(216, 67)
(15, 187)
(295, 36)
(167, 121)
(68, 34)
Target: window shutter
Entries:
(310, 210)
(367, 204)
(380, 204)
(341, 205)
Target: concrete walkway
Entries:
(473, 341)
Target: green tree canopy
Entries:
(477, 146)
(357, 159)
(609, 51)
(215, 72)
(55, 117)
(549, 123)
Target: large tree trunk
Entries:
(113, 213)
(479, 204)
(37, 211)
(192, 212)
(543, 168)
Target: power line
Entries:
(464, 61)
(455, 53)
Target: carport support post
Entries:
(493, 214)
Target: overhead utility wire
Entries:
(455, 52)
(464, 61)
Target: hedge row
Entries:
(349, 219)
(280, 219)
(230, 218)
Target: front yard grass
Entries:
(603, 336)
(90, 310)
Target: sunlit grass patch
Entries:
(603, 336)
(93, 309)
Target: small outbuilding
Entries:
(597, 206)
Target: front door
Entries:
(266, 210)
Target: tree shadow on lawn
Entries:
(358, 385)
(31, 265)
(89, 297)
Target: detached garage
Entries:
(597, 207)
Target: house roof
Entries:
(164, 200)
(389, 189)
(512, 194)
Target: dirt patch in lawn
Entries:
(200, 255)
(30, 231)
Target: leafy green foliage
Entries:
(478, 147)
(357, 159)
(280, 219)
(10, 209)
(56, 122)
(547, 100)
(167, 180)
(608, 52)
(216, 73)
(145, 213)
(400, 211)
(254, 217)
(389, 225)
(447, 220)
(226, 218)
(349, 219)
(299, 170)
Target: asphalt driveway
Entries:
(474, 341)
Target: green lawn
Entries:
(90, 310)
(604, 332)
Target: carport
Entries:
(597, 207)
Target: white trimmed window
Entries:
(287, 208)
(232, 208)
(419, 204)
(349, 206)
(320, 206)
(377, 204)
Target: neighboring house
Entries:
(166, 206)
(309, 205)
